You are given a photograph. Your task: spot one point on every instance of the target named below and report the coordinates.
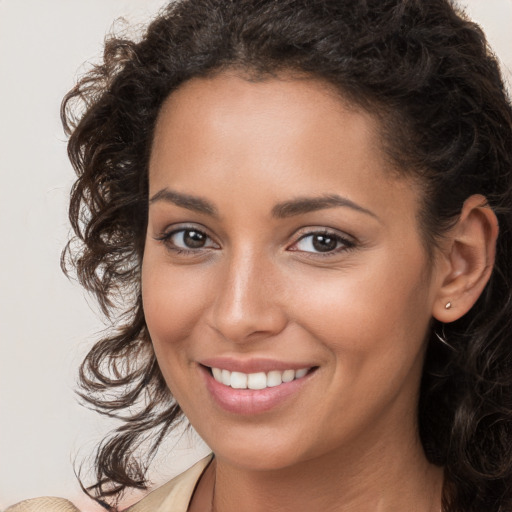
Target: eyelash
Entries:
(346, 244)
(166, 239)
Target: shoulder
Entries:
(174, 495)
(44, 505)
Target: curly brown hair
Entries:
(428, 73)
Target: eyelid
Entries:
(348, 242)
(166, 235)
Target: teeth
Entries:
(288, 375)
(238, 380)
(274, 379)
(226, 378)
(301, 373)
(260, 380)
(217, 374)
(257, 380)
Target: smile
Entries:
(264, 386)
(259, 380)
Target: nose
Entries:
(247, 305)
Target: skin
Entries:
(347, 441)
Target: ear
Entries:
(468, 259)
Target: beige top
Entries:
(174, 496)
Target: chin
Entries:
(260, 458)
(259, 450)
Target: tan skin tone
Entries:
(265, 283)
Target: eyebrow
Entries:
(194, 203)
(286, 209)
(303, 205)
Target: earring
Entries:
(448, 305)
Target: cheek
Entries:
(372, 323)
(369, 311)
(173, 301)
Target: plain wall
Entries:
(46, 322)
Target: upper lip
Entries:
(253, 365)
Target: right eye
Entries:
(188, 240)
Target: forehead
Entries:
(287, 137)
(298, 94)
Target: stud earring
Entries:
(448, 305)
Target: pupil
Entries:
(194, 239)
(324, 243)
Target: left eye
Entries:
(189, 239)
(321, 243)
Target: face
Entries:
(285, 285)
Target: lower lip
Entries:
(252, 401)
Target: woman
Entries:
(302, 210)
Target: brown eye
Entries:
(322, 242)
(193, 239)
(188, 239)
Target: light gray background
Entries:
(46, 323)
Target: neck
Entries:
(384, 479)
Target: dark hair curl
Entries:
(428, 73)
